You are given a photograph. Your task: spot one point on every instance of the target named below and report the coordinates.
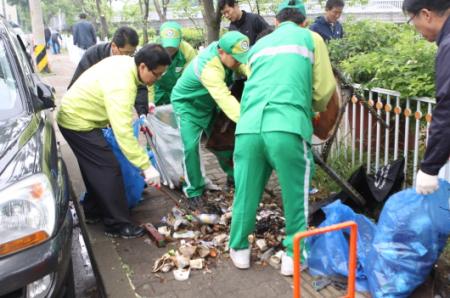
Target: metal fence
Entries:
(364, 139)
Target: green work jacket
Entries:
(203, 86)
(290, 76)
(161, 90)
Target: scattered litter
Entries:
(196, 264)
(155, 235)
(266, 255)
(220, 239)
(184, 235)
(209, 219)
(181, 261)
(321, 283)
(313, 191)
(203, 251)
(188, 250)
(164, 262)
(181, 274)
(165, 231)
(261, 244)
(201, 237)
(275, 260)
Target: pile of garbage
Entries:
(202, 237)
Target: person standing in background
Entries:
(56, 37)
(247, 23)
(47, 34)
(432, 19)
(328, 25)
(84, 33)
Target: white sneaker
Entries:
(240, 258)
(287, 265)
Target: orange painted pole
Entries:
(352, 258)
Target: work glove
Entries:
(143, 120)
(151, 108)
(152, 177)
(426, 184)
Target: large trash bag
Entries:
(375, 189)
(411, 233)
(133, 181)
(168, 143)
(328, 253)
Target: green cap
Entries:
(170, 34)
(236, 44)
(297, 4)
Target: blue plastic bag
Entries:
(411, 233)
(328, 253)
(133, 181)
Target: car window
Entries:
(10, 102)
(24, 62)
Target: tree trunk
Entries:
(144, 6)
(165, 4)
(212, 19)
(161, 13)
(104, 32)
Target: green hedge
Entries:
(386, 55)
(195, 37)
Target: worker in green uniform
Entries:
(203, 88)
(290, 77)
(181, 53)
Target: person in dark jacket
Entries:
(432, 19)
(47, 34)
(328, 25)
(84, 33)
(124, 42)
(56, 45)
(251, 25)
(247, 23)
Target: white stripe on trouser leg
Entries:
(306, 187)
(188, 183)
(186, 176)
(202, 164)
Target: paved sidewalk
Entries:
(125, 265)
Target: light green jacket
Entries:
(203, 86)
(105, 94)
(290, 76)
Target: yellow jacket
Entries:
(102, 95)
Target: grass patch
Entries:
(342, 164)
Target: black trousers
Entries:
(101, 175)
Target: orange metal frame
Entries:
(352, 259)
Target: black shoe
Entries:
(126, 231)
(195, 203)
(230, 181)
(229, 185)
(91, 218)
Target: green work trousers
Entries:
(191, 134)
(255, 156)
(225, 159)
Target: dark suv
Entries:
(35, 219)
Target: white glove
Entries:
(152, 177)
(426, 184)
(151, 108)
